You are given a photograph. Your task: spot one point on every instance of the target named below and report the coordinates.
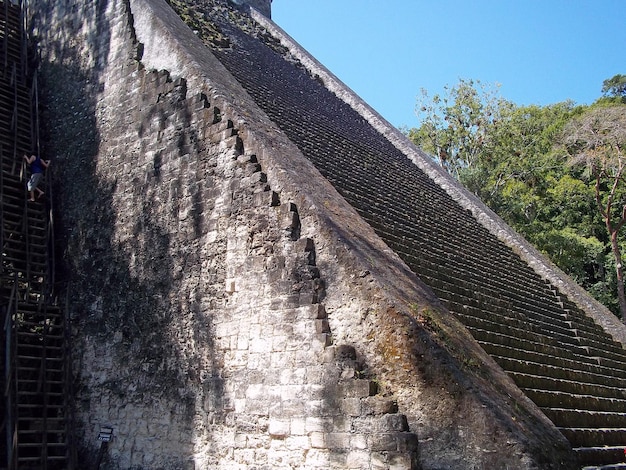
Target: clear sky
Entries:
(539, 51)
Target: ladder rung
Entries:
(49, 381)
(54, 359)
(56, 432)
(39, 444)
(39, 406)
(35, 394)
(39, 420)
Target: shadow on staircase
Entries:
(34, 359)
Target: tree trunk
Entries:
(620, 275)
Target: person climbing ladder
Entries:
(37, 166)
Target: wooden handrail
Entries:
(10, 377)
(1, 194)
(6, 35)
(23, 34)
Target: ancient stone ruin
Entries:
(254, 270)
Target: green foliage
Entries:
(596, 141)
(520, 159)
(574, 253)
(512, 158)
(614, 86)
(456, 125)
(613, 90)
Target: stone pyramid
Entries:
(266, 274)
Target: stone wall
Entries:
(229, 309)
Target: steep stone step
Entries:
(486, 337)
(529, 381)
(568, 361)
(576, 374)
(609, 351)
(451, 289)
(595, 437)
(521, 349)
(581, 334)
(558, 399)
(491, 281)
(498, 310)
(505, 272)
(514, 327)
(581, 323)
(563, 417)
(605, 458)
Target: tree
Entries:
(597, 140)
(519, 158)
(456, 125)
(615, 86)
(505, 154)
(509, 157)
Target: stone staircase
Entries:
(356, 425)
(34, 434)
(567, 364)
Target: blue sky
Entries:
(539, 51)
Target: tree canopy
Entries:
(615, 86)
(597, 141)
(532, 165)
(456, 126)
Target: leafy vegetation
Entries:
(614, 89)
(554, 173)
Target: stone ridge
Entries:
(354, 426)
(480, 279)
